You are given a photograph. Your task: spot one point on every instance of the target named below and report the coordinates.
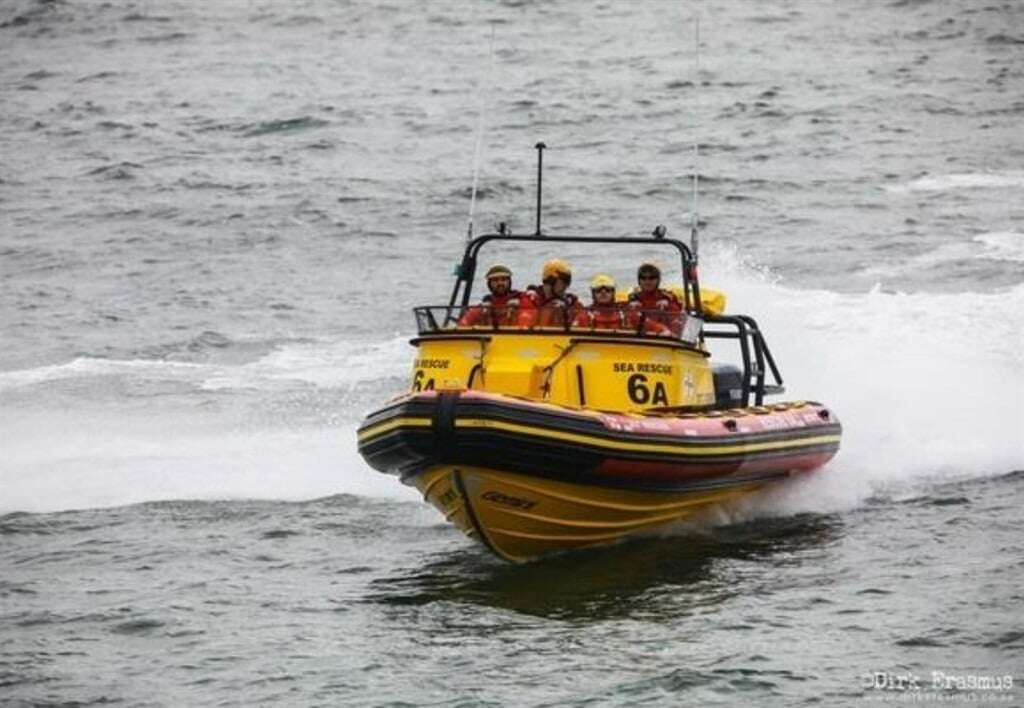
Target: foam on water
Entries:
(94, 456)
(1007, 246)
(112, 460)
(326, 365)
(927, 386)
(83, 367)
(322, 364)
(1003, 245)
(1011, 179)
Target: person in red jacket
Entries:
(604, 312)
(501, 307)
(550, 304)
(653, 303)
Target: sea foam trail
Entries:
(926, 386)
(96, 455)
(328, 364)
(110, 461)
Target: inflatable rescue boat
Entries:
(533, 439)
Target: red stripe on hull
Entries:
(638, 471)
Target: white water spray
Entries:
(928, 387)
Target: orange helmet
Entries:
(556, 268)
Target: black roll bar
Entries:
(751, 342)
(756, 357)
(467, 268)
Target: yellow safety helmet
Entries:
(556, 268)
(602, 280)
(498, 270)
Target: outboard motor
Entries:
(728, 386)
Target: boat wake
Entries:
(327, 364)
(104, 432)
(928, 386)
(112, 461)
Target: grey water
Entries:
(215, 218)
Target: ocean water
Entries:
(215, 218)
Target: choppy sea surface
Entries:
(215, 218)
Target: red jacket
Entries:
(618, 316)
(536, 309)
(659, 306)
(603, 317)
(656, 299)
(495, 310)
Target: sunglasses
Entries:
(604, 289)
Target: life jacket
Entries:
(603, 317)
(494, 310)
(537, 309)
(657, 306)
(657, 299)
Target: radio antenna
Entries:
(694, 218)
(540, 173)
(479, 138)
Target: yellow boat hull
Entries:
(520, 517)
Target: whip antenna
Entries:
(540, 173)
(479, 138)
(694, 219)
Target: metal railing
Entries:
(756, 357)
(760, 373)
(622, 321)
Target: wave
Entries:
(1001, 245)
(261, 128)
(88, 367)
(286, 125)
(167, 37)
(142, 17)
(108, 460)
(110, 457)
(1006, 246)
(325, 365)
(331, 364)
(960, 181)
(116, 171)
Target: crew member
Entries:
(604, 312)
(501, 307)
(550, 304)
(651, 302)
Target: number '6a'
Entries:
(640, 392)
(419, 385)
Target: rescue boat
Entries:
(534, 440)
